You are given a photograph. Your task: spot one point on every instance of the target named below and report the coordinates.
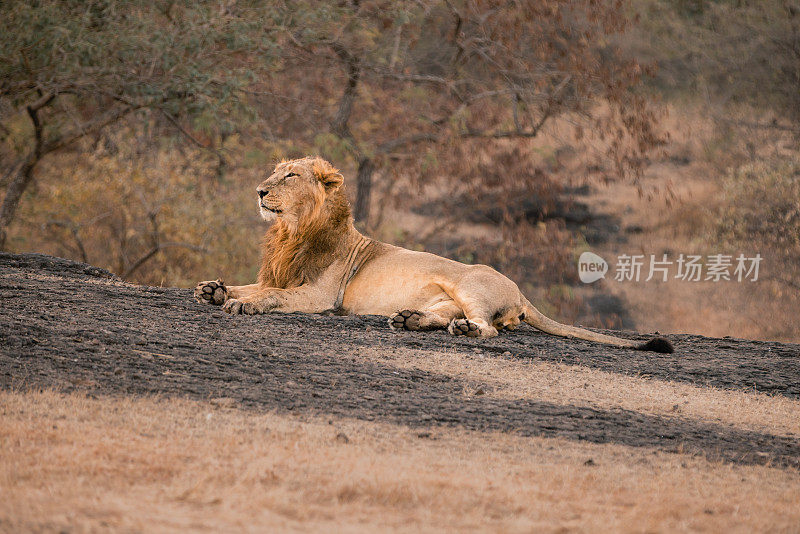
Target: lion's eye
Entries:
(290, 174)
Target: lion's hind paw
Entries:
(211, 292)
(405, 320)
(465, 327)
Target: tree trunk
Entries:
(339, 126)
(339, 122)
(13, 195)
(18, 185)
(364, 189)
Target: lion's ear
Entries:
(328, 175)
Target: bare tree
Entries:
(475, 70)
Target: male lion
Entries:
(316, 261)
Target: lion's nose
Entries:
(262, 193)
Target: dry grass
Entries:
(167, 465)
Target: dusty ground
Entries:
(497, 434)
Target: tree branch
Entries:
(185, 132)
(155, 250)
(222, 162)
(73, 229)
(12, 171)
(339, 122)
(390, 146)
(87, 128)
(41, 102)
(774, 125)
(33, 113)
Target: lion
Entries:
(315, 261)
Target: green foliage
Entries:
(255, 158)
(332, 146)
(183, 57)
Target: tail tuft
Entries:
(657, 344)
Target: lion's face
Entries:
(296, 189)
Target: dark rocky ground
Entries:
(73, 327)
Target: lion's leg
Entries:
(306, 299)
(489, 300)
(238, 292)
(435, 317)
(217, 293)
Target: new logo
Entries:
(591, 267)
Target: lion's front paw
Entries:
(211, 292)
(405, 320)
(236, 306)
(248, 306)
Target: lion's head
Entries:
(297, 190)
(306, 199)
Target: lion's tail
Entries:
(536, 319)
